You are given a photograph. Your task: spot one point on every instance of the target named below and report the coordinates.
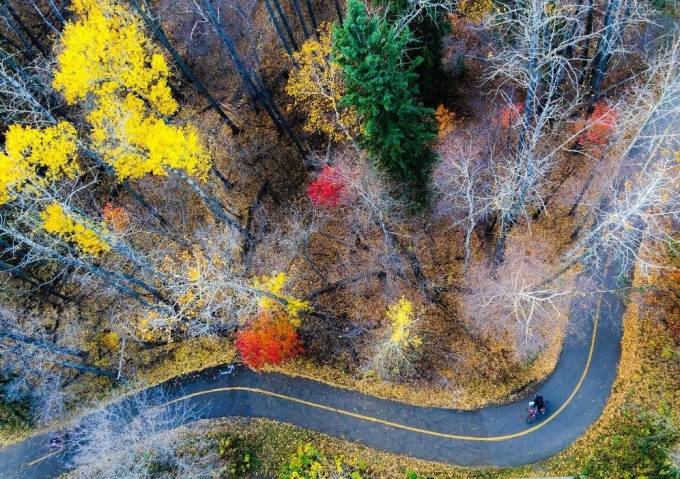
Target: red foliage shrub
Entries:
(269, 340)
(327, 190)
(509, 115)
(600, 126)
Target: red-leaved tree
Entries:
(328, 189)
(268, 340)
(600, 126)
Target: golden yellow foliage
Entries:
(274, 285)
(56, 221)
(105, 49)
(446, 120)
(36, 157)
(475, 10)
(154, 326)
(110, 340)
(106, 59)
(402, 319)
(137, 144)
(317, 88)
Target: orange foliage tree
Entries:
(270, 339)
(115, 217)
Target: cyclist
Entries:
(539, 404)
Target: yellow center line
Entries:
(405, 426)
(43, 458)
(461, 437)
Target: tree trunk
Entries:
(28, 49)
(603, 53)
(277, 27)
(312, 17)
(45, 20)
(301, 17)
(338, 10)
(216, 208)
(586, 52)
(499, 253)
(39, 343)
(252, 81)
(25, 29)
(19, 273)
(156, 27)
(586, 184)
(57, 12)
(85, 369)
(286, 24)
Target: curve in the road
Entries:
(494, 436)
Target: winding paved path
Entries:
(497, 436)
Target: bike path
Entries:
(494, 436)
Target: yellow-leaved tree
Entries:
(270, 290)
(104, 51)
(107, 64)
(210, 294)
(77, 231)
(395, 352)
(33, 158)
(316, 87)
(137, 144)
(34, 161)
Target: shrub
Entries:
(446, 120)
(397, 350)
(327, 190)
(15, 416)
(510, 115)
(475, 10)
(115, 217)
(239, 455)
(601, 125)
(269, 340)
(317, 88)
(309, 463)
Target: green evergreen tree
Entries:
(382, 85)
(427, 30)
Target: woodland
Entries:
(401, 197)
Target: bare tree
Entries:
(510, 308)
(461, 181)
(533, 59)
(640, 206)
(619, 17)
(135, 437)
(36, 364)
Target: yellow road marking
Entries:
(43, 458)
(411, 428)
(397, 425)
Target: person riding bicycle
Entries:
(539, 404)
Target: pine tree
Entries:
(382, 86)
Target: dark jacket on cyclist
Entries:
(539, 403)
